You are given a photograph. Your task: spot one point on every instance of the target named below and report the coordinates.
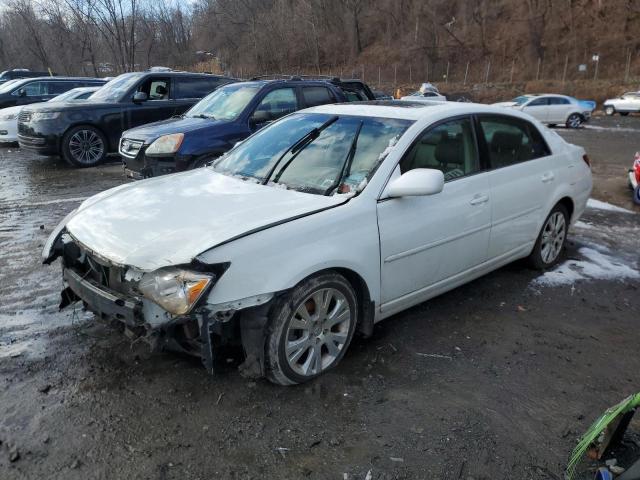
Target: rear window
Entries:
(317, 96)
(197, 87)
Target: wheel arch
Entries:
(567, 203)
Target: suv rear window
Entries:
(317, 96)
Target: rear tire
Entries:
(549, 246)
(574, 121)
(609, 110)
(310, 329)
(84, 146)
(636, 195)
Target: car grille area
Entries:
(130, 148)
(24, 116)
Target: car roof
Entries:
(86, 79)
(407, 110)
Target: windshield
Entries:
(226, 103)
(113, 90)
(10, 84)
(315, 153)
(73, 93)
(521, 100)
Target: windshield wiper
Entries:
(346, 166)
(297, 147)
(202, 115)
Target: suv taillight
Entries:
(585, 157)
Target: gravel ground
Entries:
(495, 379)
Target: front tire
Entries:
(84, 146)
(574, 121)
(609, 110)
(310, 329)
(548, 248)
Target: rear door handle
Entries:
(479, 199)
(547, 177)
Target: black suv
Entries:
(84, 133)
(35, 90)
(228, 115)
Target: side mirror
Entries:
(260, 116)
(417, 182)
(140, 97)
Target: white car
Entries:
(321, 224)
(9, 115)
(624, 105)
(552, 109)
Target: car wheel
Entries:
(574, 121)
(636, 195)
(550, 243)
(609, 110)
(310, 329)
(84, 146)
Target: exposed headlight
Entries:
(37, 116)
(8, 116)
(166, 144)
(174, 289)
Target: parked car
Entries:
(625, 104)
(9, 115)
(553, 109)
(84, 133)
(216, 123)
(22, 73)
(428, 92)
(321, 224)
(35, 90)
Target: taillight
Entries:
(585, 157)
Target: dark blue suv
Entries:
(223, 118)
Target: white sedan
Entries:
(9, 115)
(320, 225)
(624, 105)
(553, 109)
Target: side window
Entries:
(511, 141)
(32, 89)
(353, 96)
(197, 87)
(276, 104)
(558, 101)
(450, 147)
(538, 102)
(317, 96)
(155, 88)
(56, 88)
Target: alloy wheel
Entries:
(553, 235)
(318, 331)
(86, 147)
(575, 121)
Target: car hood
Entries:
(11, 110)
(151, 131)
(169, 220)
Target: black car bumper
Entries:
(41, 145)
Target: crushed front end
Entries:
(178, 318)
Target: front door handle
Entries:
(479, 199)
(548, 177)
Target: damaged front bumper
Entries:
(206, 331)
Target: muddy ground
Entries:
(496, 379)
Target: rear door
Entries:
(538, 108)
(558, 111)
(316, 95)
(521, 179)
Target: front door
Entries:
(158, 106)
(538, 108)
(558, 109)
(275, 104)
(428, 239)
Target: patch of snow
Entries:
(584, 225)
(598, 205)
(610, 129)
(595, 266)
